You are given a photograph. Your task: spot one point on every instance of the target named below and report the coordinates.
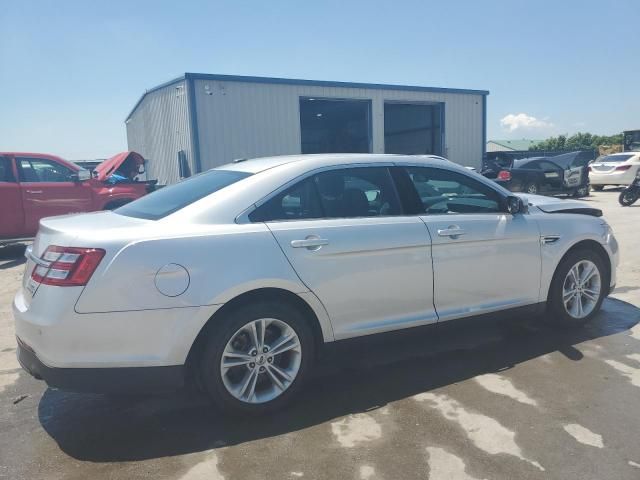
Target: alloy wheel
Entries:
(261, 360)
(581, 289)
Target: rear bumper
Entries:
(65, 339)
(102, 380)
(613, 178)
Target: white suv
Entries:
(239, 275)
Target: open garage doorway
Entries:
(335, 125)
(413, 128)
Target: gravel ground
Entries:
(495, 400)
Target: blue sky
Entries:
(70, 71)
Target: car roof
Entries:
(313, 161)
(69, 164)
(270, 174)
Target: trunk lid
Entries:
(608, 163)
(125, 163)
(604, 167)
(67, 230)
(90, 230)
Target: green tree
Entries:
(578, 141)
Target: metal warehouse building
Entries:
(199, 121)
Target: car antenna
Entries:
(238, 160)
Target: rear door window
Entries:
(339, 193)
(6, 170)
(357, 192)
(170, 199)
(299, 202)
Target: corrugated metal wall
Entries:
(244, 119)
(159, 128)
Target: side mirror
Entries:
(80, 176)
(516, 205)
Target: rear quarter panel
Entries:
(521, 176)
(221, 264)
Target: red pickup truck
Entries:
(36, 185)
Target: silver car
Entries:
(238, 276)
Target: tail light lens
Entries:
(68, 266)
(622, 168)
(504, 175)
(588, 169)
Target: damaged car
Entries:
(565, 174)
(36, 185)
(236, 278)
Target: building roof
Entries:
(294, 81)
(522, 144)
(318, 160)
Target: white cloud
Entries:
(522, 121)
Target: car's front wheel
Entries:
(257, 357)
(582, 191)
(577, 289)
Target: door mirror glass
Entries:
(516, 205)
(80, 176)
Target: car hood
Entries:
(106, 168)
(558, 205)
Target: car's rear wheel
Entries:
(257, 358)
(577, 289)
(531, 188)
(597, 188)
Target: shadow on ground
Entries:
(11, 256)
(358, 376)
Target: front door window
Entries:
(41, 170)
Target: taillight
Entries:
(588, 169)
(504, 175)
(622, 168)
(67, 266)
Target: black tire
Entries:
(116, 204)
(628, 197)
(582, 192)
(531, 188)
(556, 314)
(225, 327)
(597, 188)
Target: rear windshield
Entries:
(614, 158)
(170, 199)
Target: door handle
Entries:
(453, 231)
(34, 191)
(310, 243)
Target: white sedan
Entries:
(239, 275)
(614, 169)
